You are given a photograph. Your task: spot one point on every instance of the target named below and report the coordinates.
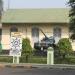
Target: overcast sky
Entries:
(35, 3)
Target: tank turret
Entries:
(45, 42)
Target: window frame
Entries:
(33, 31)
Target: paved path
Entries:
(36, 71)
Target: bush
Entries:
(34, 59)
(26, 48)
(67, 60)
(65, 47)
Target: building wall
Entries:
(5, 37)
(73, 44)
(26, 30)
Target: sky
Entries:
(11, 4)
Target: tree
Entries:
(72, 18)
(26, 48)
(65, 47)
(1, 7)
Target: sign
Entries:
(15, 44)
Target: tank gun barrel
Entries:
(43, 33)
(45, 42)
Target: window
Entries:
(35, 34)
(57, 34)
(13, 29)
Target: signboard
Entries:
(15, 44)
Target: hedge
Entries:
(33, 59)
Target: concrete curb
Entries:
(30, 66)
(2, 66)
(19, 66)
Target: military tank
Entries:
(45, 42)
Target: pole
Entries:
(15, 59)
(50, 56)
(8, 4)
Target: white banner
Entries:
(15, 44)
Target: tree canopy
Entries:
(65, 46)
(26, 47)
(72, 18)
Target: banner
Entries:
(15, 44)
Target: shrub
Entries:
(65, 47)
(26, 48)
(34, 59)
(0, 47)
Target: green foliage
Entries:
(6, 59)
(0, 47)
(34, 59)
(64, 46)
(26, 47)
(72, 18)
(1, 6)
(67, 60)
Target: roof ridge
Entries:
(37, 8)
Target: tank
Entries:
(45, 42)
